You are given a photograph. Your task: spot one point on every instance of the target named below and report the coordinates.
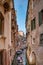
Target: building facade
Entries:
(34, 31)
(14, 31)
(7, 45)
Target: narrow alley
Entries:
(21, 32)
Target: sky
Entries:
(21, 8)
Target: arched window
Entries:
(1, 24)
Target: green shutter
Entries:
(31, 25)
(40, 18)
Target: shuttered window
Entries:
(40, 17)
(41, 38)
(33, 24)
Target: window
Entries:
(1, 58)
(1, 24)
(40, 17)
(33, 25)
(41, 38)
(33, 3)
(10, 52)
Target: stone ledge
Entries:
(2, 37)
